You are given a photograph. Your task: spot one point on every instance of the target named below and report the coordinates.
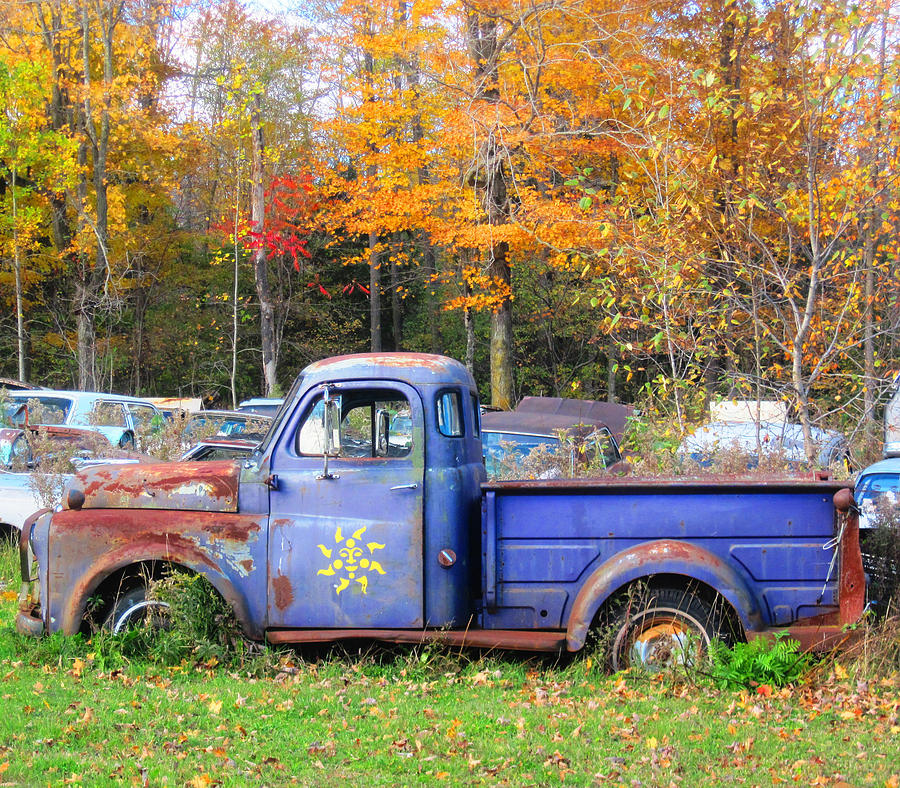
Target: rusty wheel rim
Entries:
(663, 638)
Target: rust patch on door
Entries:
(284, 592)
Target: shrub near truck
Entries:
(330, 530)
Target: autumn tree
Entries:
(247, 81)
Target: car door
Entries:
(145, 420)
(346, 546)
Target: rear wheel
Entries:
(661, 628)
(135, 609)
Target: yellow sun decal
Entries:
(352, 563)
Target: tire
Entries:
(133, 609)
(662, 628)
(127, 442)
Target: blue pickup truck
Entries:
(335, 528)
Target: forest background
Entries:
(644, 200)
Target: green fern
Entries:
(776, 662)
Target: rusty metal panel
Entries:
(766, 546)
(515, 640)
(85, 547)
(183, 486)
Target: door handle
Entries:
(413, 486)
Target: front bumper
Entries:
(29, 621)
(28, 618)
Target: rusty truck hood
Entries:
(187, 486)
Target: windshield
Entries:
(14, 451)
(498, 445)
(279, 418)
(44, 409)
(12, 414)
(876, 493)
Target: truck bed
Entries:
(551, 537)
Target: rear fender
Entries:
(162, 549)
(665, 556)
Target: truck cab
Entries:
(348, 504)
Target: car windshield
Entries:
(12, 414)
(498, 445)
(45, 409)
(876, 489)
(13, 451)
(280, 417)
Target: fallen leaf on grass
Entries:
(4, 766)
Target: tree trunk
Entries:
(490, 176)
(469, 322)
(260, 263)
(234, 296)
(374, 294)
(502, 383)
(430, 268)
(17, 264)
(611, 363)
(140, 314)
(90, 288)
(396, 307)
(870, 383)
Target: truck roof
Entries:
(414, 368)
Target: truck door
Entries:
(345, 548)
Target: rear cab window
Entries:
(449, 414)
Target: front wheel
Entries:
(661, 628)
(134, 608)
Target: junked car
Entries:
(119, 418)
(227, 424)
(19, 500)
(877, 492)
(219, 449)
(25, 448)
(264, 406)
(539, 423)
(36, 463)
(755, 439)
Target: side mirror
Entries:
(331, 427)
(382, 432)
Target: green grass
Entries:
(77, 712)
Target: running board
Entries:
(513, 639)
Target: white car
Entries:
(755, 438)
(119, 418)
(19, 500)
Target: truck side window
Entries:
(359, 418)
(449, 414)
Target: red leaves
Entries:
(319, 285)
(290, 210)
(352, 287)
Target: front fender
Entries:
(665, 556)
(161, 550)
(87, 547)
